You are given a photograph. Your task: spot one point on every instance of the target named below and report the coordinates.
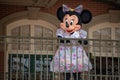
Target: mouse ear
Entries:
(60, 13)
(86, 16)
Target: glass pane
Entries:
(47, 33)
(106, 33)
(117, 33)
(96, 34)
(25, 30)
(117, 37)
(102, 46)
(38, 31)
(15, 31)
(21, 43)
(96, 45)
(41, 44)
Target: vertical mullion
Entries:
(41, 66)
(17, 57)
(29, 73)
(112, 60)
(57, 74)
(53, 58)
(95, 75)
(5, 48)
(41, 59)
(35, 60)
(106, 78)
(47, 45)
(89, 63)
(23, 59)
(118, 61)
(100, 59)
(11, 64)
(32, 48)
(83, 60)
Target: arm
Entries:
(80, 34)
(60, 34)
(83, 35)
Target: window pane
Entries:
(24, 43)
(102, 34)
(106, 33)
(117, 37)
(41, 44)
(117, 33)
(102, 46)
(21, 43)
(25, 30)
(47, 33)
(15, 31)
(38, 31)
(96, 34)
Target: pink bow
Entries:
(78, 9)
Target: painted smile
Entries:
(69, 31)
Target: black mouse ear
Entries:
(86, 16)
(60, 14)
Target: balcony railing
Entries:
(30, 58)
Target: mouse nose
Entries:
(67, 25)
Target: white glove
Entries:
(83, 34)
(59, 32)
(75, 35)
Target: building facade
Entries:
(37, 18)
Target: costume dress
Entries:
(70, 58)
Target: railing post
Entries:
(56, 76)
(71, 78)
(6, 75)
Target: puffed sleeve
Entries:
(79, 34)
(83, 34)
(60, 33)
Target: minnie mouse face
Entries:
(72, 19)
(70, 23)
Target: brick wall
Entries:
(96, 8)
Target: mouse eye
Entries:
(71, 22)
(66, 21)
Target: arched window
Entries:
(105, 31)
(31, 28)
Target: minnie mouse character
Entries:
(73, 58)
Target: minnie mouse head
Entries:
(72, 19)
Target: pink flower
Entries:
(71, 65)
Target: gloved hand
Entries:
(75, 35)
